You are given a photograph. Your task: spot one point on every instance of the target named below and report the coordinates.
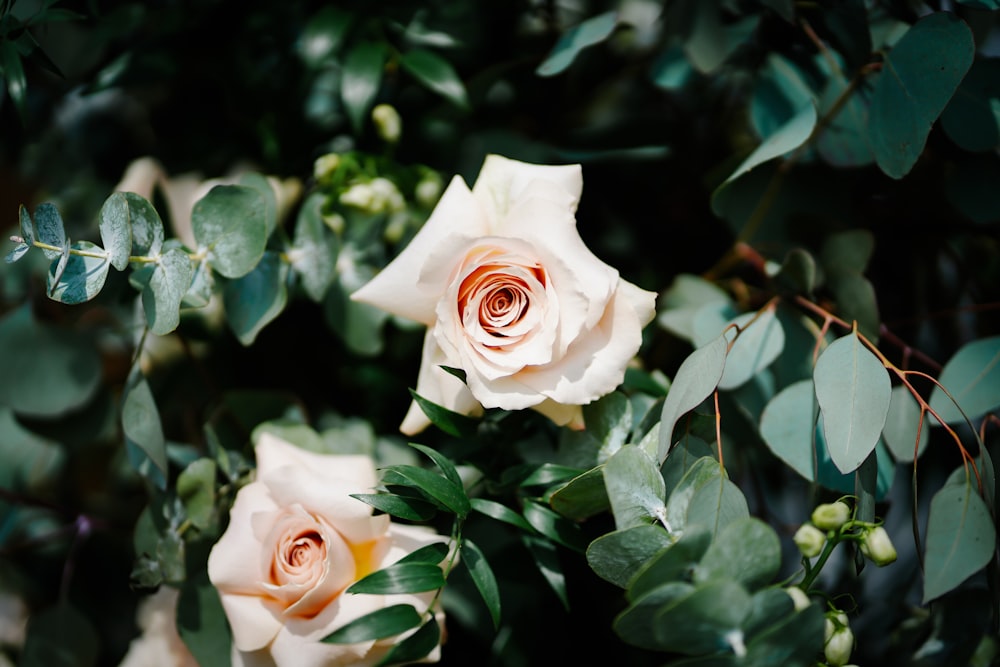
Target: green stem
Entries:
(814, 571)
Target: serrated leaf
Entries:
(450, 495)
(361, 80)
(400, 578)
(436, 74)
(972, 377)
(919, 75)
(961, 538)
(230, 221)
(162, 296)
(696, 379)
(588, 33)
(82, 277)
(254, 300)
(379, 624)
(49, 229)
(483, 577)
(853, 390)
(635, 488)
(116, 229)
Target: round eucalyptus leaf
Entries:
(254, 300)
(231, 222)
(616, 556)
(705, 621)
(361, 80)
(747, 551)
(970, 378)
(143, 221)
(162, 296)
(635, 488)
(116, 229)
(49, 228)
(901, 426)
(82, 277)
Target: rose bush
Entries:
(295, 541)
(513, 297)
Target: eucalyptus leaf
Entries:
(961, 538)
(919, 76)
(582, 497)
(143, 431)
(759, 343)
(696, 379)
(609, 420)
(254, 300)
(703, 621)
(716, 504)
(116, 229)
(972, 379)
(680, 302)
(25, 224)
(853, 390)
(635, 488)
(747, 551)
(591, 31)
(82, 277)
(17, 253)
(635, 624)
(902, 425)
(972, 117)
(676, 562)
(231, 223)
(543, 552)
(314, 249)
(618, 555)
(196, 490)
(49, 229)
(143, 221)
(162, 296)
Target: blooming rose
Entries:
(512, 296)
(296, 540)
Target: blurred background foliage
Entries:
(660, 101)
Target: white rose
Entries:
(295, 541)
(159, 645)
(512, 296)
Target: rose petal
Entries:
(297, 644)
(253, 620)
(260, 658)
(229, 568)
(437, 386)
(395, 289)
(561, 414)
(503, 181)
(273, 452)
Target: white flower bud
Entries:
(809, 539)
(838, 640)
(335, 222)
(799, 598)
(877, 546)
(388, 196)
(428, 191)
(388, 124)
(325, 165)
(362, 196)
(831, 516)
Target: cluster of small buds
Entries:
(379, 195)
(826, 518)
(838, 640)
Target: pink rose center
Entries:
(498, 296)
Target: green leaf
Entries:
(588, 33)
(254, 300)
(404, 507)
(609, 420)
(162, 296)
(147, 448)
(619, 555)
(443, 463)
(82, 277)
(901, 424)
(784, 140)
(701, 472)
(696, 379)
(49, 229)
(972, 117)
(361, 80)
(60, 636)
(548, 474)
(756, 348)
(688, 452)
(843, 141)
(557, 528)
(716, 504)
(416, 646)
(196, 491)
(263, 187)
(13, 74)
(116, 229)
(144, 223)
(788, 427)
(315, 249)
(30, 461)
(546, 560)
(961, 538)
(400, 578)
(972, 378)
(635, 624)
(453, 423)
(704, 620)
(673, 563)
(24, 220)
(500, 512)
(671, 70)
(49, 371)
(747, 551)
(482, 576)
(17, 253)
(853, 390)
(681, 301)
(436, 74)
(919, 76)
(323, 35)
(379, 624)
(201, 622)
(231, 222)
(635, 488)
(795, 641)
(582, 497)
(450, 495)
(432, 553)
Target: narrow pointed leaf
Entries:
(972, 377)
(443, 463)
(400, 578)
(361, 80)
(379, 624)
(437, 74)
(444, 491)
(404, 507)
(588, 33)
(500, 512)
(853, 391)
(147, 448)
(416, 646)
(482, 575)
(696, 379)
(546, 560)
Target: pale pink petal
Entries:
(395, 288)
(502, 182)
(253, 621)
(234, 564)
(561, 414)
(259, 658)
(437, 386)
(297, 644)
(273, 452)
(141, 177)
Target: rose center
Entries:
(300, 550)
(497, 296)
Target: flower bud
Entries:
(325, 165)
(799, 598)
(838, 640)
(360, 195)
(809, 539)
(877, 546)
(831, 516)
(388, 197)
(388, 124)
(428, 191)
